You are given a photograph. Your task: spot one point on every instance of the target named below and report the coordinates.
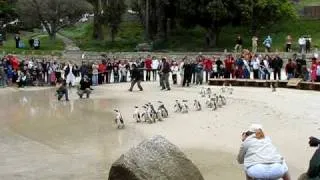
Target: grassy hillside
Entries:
(47, 46)
(131, 34)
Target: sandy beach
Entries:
(42, 138)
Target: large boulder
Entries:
(154, 159)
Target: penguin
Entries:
(136, 114)
(202, 92)
(230, 89)
(177, 106)
(223, 100)
(119, 119)
(197, 105)
(151, 115)
(214, 104)
(153, 112)
(208, 91)
(164, 111)
(208, 102)
(185, 108)
(273, 87)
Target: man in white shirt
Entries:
(302, 44)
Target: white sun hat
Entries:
(255, 127)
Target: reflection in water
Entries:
(81, 130)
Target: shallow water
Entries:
(42, 138)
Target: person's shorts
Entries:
(267, 171)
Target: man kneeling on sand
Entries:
(260, 157)
(84, 87)
(313, 172)
(62, 90)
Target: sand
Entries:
(45, 139)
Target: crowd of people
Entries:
(190, 70)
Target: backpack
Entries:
(318, 70)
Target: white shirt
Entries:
(258, 151)
(155, 64)
(175, 69)
(255, 64)
(302, 41)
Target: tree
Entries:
(155, 15)
(113, 15)
(210, 14)
(258, 13)
(52, 14)
(98, 19)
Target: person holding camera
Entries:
(313, 172)
(84, 87)
(260, 157)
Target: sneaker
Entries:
(169, 89)
(130, 90)
(163, 89)
(141, 89)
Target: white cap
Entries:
(255, 127)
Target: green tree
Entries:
(113, 11)
(52, 14)
(259, 13)
(210, 14)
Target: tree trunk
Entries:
(52, 36)
(212, 37)
(97, 28)
(113, 34)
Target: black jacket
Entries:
(136, 75)
(314, 166)
(84, 84)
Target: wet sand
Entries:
(42, 138)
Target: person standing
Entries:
(254, 44)
(123, 71)
(109, 71)
(239, 43)
(181, 69)
(199, 73)
(313, 69)
(229, 67)
(174, 70)
(290, 69)
(255, 63)
(165, 71)
(95, 73)
(277, 66)
(155, 68)
(288, 43)
(302, 44)
(135, 78)
(101, 69)
(208, 68)
(17, 40)
(69, 72)
(187, 74)
(268, 43)
(194, 66)
(148, 67)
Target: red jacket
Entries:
(229, 63)
(208, 64)
(148, 63)
(102, 68)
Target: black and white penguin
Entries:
(119, 119)
(137, 114)
(197, 105)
